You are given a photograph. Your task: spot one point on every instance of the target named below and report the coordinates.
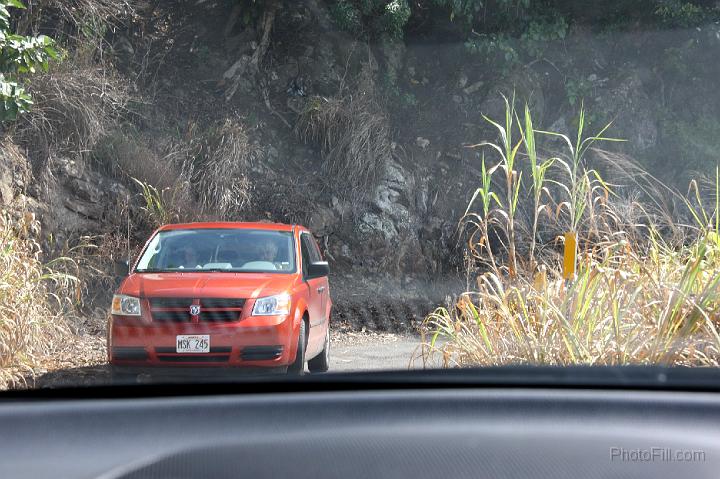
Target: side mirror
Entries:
(318, 270)
(121, 268)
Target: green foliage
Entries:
(506, 51)
(14, 99)
(394, 92)
(19, 55)
(462, 10)
(467, 11)
(495, 47)
(371, 18)
(535, 39)
(347, 17)
(577, 89)
(679, 13)
(408, 100)
(251, 11)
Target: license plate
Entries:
(192, 343)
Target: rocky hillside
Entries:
(181, 110)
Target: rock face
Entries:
(13, 172)
(77, 201)
(634, 112)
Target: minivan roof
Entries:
(228, 225)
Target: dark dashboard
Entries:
(360, 426)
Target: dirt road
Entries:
(375, 352)
(350, 351)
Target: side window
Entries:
(305, 252)
(316, 249)
(311, 248)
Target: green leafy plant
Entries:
(580, 181)
(480, 222)
(538, 171)
(577, 89)
(508, 151)
(160, 206)
(679, 13)
(539, 33)
(371, 18)
(19, 55)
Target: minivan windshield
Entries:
(243, 250)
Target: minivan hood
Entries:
(206, 285)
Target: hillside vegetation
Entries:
(367, 121)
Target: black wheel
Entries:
(321, 362)
(297, 368)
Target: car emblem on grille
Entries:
(194, 309)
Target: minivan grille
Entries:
(170, 302)
(219, 316)
(222, 303)
(171, 316)
(212, 310)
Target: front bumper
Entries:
(251, 342)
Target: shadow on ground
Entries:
(105, 375)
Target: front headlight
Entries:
(125, 305)
(272, 305)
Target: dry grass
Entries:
(31, 320)
(93, 258)
(647, 286)
(628, 307)
(164, 193)
(218, 173)
(126, 156)
(353, 134)
(76, 104)
(80, 20)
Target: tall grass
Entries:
(353, 134)
(31, 324)
(637, 297)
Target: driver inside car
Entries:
(184, 257)
(267, 251)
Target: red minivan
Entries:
(224, 295)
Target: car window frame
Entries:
(293, 253)
(311, 246)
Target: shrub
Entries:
(371, 18)
(19, 55)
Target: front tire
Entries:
(297, 368)
(321, 362)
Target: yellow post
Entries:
(570, 256)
